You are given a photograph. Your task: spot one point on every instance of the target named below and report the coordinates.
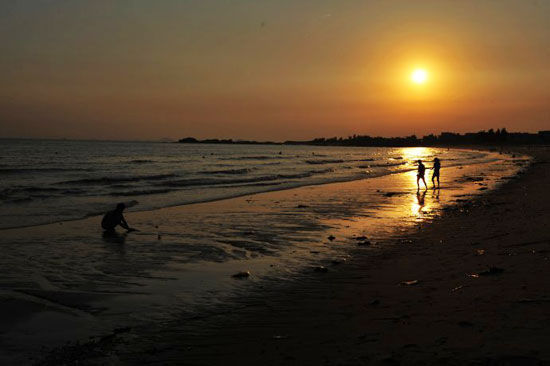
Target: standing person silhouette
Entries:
(114, 218)
(437, 166)
(420, 175)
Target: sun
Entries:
(419, 76)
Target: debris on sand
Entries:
(409, 283)
(492, 271)
(361, 238)
(331, 237)
(240, 275)
(457, 288)
(279, 337)
(122, 330)
(466, 179)
(489, 272)
(320, 269)
(364, 243)
(527, 300)
(338, 261)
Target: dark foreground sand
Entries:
(479, 293)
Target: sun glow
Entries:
(419, 76)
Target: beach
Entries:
(460, 311)
(457, 277)
(481, 296)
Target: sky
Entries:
(271, 70)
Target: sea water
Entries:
(45, 181)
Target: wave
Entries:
(337, 161)
(20, 194)
(212, 181)
(259, 157)
(141, 192)
(36, 189)
(228, 171)
(7, 192)
(111, 180)
(386, 165)
(140, 161)
(324, 161)
(305, 174)
(228, 181)
(41, 170)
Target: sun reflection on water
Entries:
(412, 154)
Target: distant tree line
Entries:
(490, 137)
(192, 140)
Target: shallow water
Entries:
(44, 181)
(182, 259)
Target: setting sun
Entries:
(419, 76)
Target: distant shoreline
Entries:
(500, 137)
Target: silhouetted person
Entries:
(437, 166)
(114, 218)
(420, 175)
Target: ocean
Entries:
(46, 181)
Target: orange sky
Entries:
(271, 70)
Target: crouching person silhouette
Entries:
(114, 218)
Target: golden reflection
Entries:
(419, 203)
(412, 154)
(435, 193)
(419, 206)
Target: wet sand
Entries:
(481, 297)
(291, 311)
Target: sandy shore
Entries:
(357, 312)
(482, 297)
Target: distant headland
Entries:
(490, 137)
